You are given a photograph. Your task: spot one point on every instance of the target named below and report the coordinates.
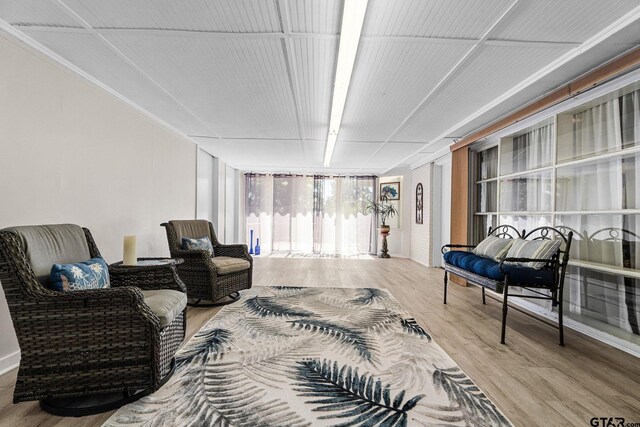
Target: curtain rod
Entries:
(290, 175)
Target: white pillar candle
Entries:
(129, 252)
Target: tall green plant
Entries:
(383, 208)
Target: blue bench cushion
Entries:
(489, 268)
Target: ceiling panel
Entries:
(239, 85)
(495, 70)
(35, 12)
(391, 154)
(354, 154)
(92, 56)
(420, 18)
(315, 61)
(314, 151)
(566, 20)
(276, 154)
(234, 16)
(390, 79)
(313, 16)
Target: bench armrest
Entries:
(455, 246)
(549, 260)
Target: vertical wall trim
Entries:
(460, 200)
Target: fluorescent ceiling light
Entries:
(352, 20)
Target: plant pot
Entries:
(384, 230)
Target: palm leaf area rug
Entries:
(294, 356)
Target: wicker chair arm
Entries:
(190, 255)
(235, 251)
(449, 246)
(127, 298)
(146, 278)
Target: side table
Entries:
(159, 271)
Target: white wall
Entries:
(205, 203)
(72, 153)
(441, 211)
(399, 239)
(421, 233)
(227, 195)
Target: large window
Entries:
(579, 170)
(311, 214)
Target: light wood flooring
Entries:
(533, 380)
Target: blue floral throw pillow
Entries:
(201, 244)
(92, 274)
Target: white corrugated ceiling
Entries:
(251, 80)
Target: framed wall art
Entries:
(391, 189)
(419, 203)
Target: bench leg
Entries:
(560, 322)
(484, 301)
(445, 286)
(504, 308)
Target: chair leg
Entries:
(233, 297)
(98, 403)
(445, 286)
(484, 301)
(504, 308)
(560, 323)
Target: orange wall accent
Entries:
(459, 201)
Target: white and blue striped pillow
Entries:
(541, 249)
(493, 247)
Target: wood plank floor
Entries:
(533, 380)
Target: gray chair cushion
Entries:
(226, 265)
(165, 303)
(193, 228)
(46, 245)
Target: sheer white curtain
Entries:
(603, 185)
(311, 214)
(292, 213)
(259, 209)
(341, 224)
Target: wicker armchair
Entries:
(209, 278)
(83, 343)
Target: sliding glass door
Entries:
(311, 214)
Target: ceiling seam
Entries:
(464, 60)
(117, 51)
(292, 70)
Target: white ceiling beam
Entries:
(292, 69)
(161, 32)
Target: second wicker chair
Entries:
(209, 278)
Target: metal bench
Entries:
(546, 283)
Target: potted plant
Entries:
(383, 209)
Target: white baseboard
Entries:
(9, 362)
(421, 263)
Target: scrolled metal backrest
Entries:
(551, 233)
(626, 238)
(505, 231)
